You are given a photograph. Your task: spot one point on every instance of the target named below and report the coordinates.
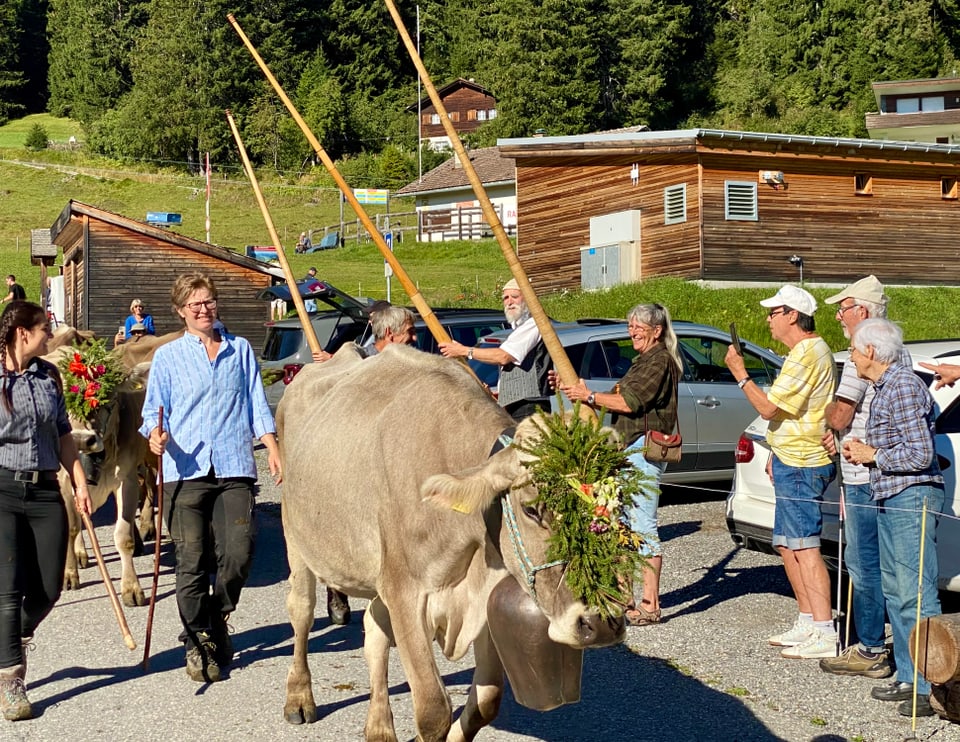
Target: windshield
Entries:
(281, 342)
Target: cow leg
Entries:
(75, 547)
(127, 496)
(483, 703)
(431, 703)
(300, 706)
(377, 640)
(148, 497)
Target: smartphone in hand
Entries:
(735, 339)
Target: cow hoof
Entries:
(148, 533)
(300, 715)
(71, 581)
(83, 561)
(134, 599)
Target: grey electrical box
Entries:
(620, 226)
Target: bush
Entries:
(36, 137)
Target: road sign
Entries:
(387, 269)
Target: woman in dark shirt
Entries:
(35, 440)
(645, 398)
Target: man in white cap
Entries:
(847, 415)
(522, 357)
(800, 467)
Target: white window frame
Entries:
(675, 204)
(435, 118)
(740, 201)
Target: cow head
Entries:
(525, 527)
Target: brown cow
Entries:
(389, 433)
(113, 439)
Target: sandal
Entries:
(637, 615)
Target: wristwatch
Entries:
(470, 354)
(591, 398)
(743, 382)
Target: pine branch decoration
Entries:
(587, 483)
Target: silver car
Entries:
(712, 409)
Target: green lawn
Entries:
(14, 133)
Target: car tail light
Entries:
(291, 370)
(744, 452)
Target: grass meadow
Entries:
(36, 186)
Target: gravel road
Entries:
(705, 673)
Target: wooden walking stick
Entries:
(108, 583)
(156, 551)
(416, 298)
(561, 362)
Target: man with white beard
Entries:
(522, 357)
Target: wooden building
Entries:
(448, 209)
(108, 260)
(916, 110)
(605, 208)
(468, 105)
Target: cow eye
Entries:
(533, 512)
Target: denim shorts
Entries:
(797, 520)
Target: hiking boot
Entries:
(13, 694)
(853, 662)
(202, 661)
(819, 644)
(923, 707)
(796, 634)
(337, 607)
(220, 636)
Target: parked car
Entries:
(711, 409)
(466, 326)
(750, 505)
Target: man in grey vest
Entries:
(522, 357)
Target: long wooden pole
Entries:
(108, 583)
(308, 330)
(158, 529)
(433, 324)
(559, 356)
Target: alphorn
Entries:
(416, 298)
(158, 528)
(108, 583)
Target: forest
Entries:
(150, 79)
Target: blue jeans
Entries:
(643, 515)
(899, 524)
(797, 520)
(862, 560)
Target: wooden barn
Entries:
(109, 260)
(606, 208)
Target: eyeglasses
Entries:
(775, 312)
(196, 306)
(841, 310)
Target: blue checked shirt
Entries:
(901, 428)
(211, 410)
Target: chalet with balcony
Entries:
(468, 105)
(616, 207)
(917, 111)
(448, 209)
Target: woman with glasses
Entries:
(138, 316)
(208, 384)
(644, 399)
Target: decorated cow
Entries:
(404, 483)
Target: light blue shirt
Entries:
(212, 410)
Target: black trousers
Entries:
(33, 551)
(210, 521)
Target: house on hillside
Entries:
(448, 209)
(108, 260)
(605, 208)
(917, 110)
(467, 104)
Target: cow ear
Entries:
(475, 488)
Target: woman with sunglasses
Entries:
(208, 383)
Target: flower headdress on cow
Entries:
(91, 375)
(587, 482)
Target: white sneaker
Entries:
(820, 644)
(796, 634)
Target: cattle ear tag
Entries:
(461, 507)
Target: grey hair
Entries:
(657, 315)
(875, 310)
(390, 318)
(882, 335)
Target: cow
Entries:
(136, 351)
(113, 440)
(363, 444)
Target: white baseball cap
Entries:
(794, 298)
